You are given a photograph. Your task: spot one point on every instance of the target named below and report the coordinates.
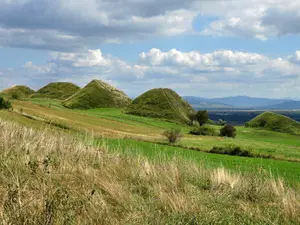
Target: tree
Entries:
(202, 117)
(228, 131)
(192, 118)
(173, 134)
(4, 104)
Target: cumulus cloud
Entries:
(295, 58)
(256, 19)
(283, 18)
(65, 25)
(222, 72)
(60, 25)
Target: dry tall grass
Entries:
(50, 178)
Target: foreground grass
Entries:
(50, 178)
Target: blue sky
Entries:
(202, 48)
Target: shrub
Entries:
(203, 130)
(211, 122)
(173, 135)
(228, 131)
(202, 117)
(4, 104)
(231, 150)
(15, 95)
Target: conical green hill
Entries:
(19, 91)
(97, 94)
(57, 90)
(161, 103)
(275, 122)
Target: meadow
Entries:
(101, 166)
(50, 177)
(141, 136)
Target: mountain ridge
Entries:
(234, 102)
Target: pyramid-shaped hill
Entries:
(97, 94)
(275, 122)
(19, 91)
(161, 103)
(57, 90)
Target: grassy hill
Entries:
(275, 122)
(161, 103)
(57, 90)
(19, 91)
(97, 94)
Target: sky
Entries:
(208, 48)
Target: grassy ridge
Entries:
(275, 122)
(57, 90)
(161, 103)
(51, 178)
(97, 94)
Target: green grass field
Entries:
(156, 152)
(259, 141)
(129, 133)
(50, 177)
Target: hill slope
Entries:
(20, 91)
(161, 103)
(97, 94)
(275, 122)
(57, 90)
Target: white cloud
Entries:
(256, 19)
(222, 61)
(65, 25)
(61, 25)
(47, 68)
(295, 58)
(222, 72)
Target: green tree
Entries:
(228, 131)
(202, 117)
(192, 117)
(4, 104)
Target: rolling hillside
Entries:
(97, 94)
(57, 90)
(161, 103)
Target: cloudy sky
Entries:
(207, 48)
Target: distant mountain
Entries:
(285, 105)
(248, 102)
(204, 103)
(233, 102)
